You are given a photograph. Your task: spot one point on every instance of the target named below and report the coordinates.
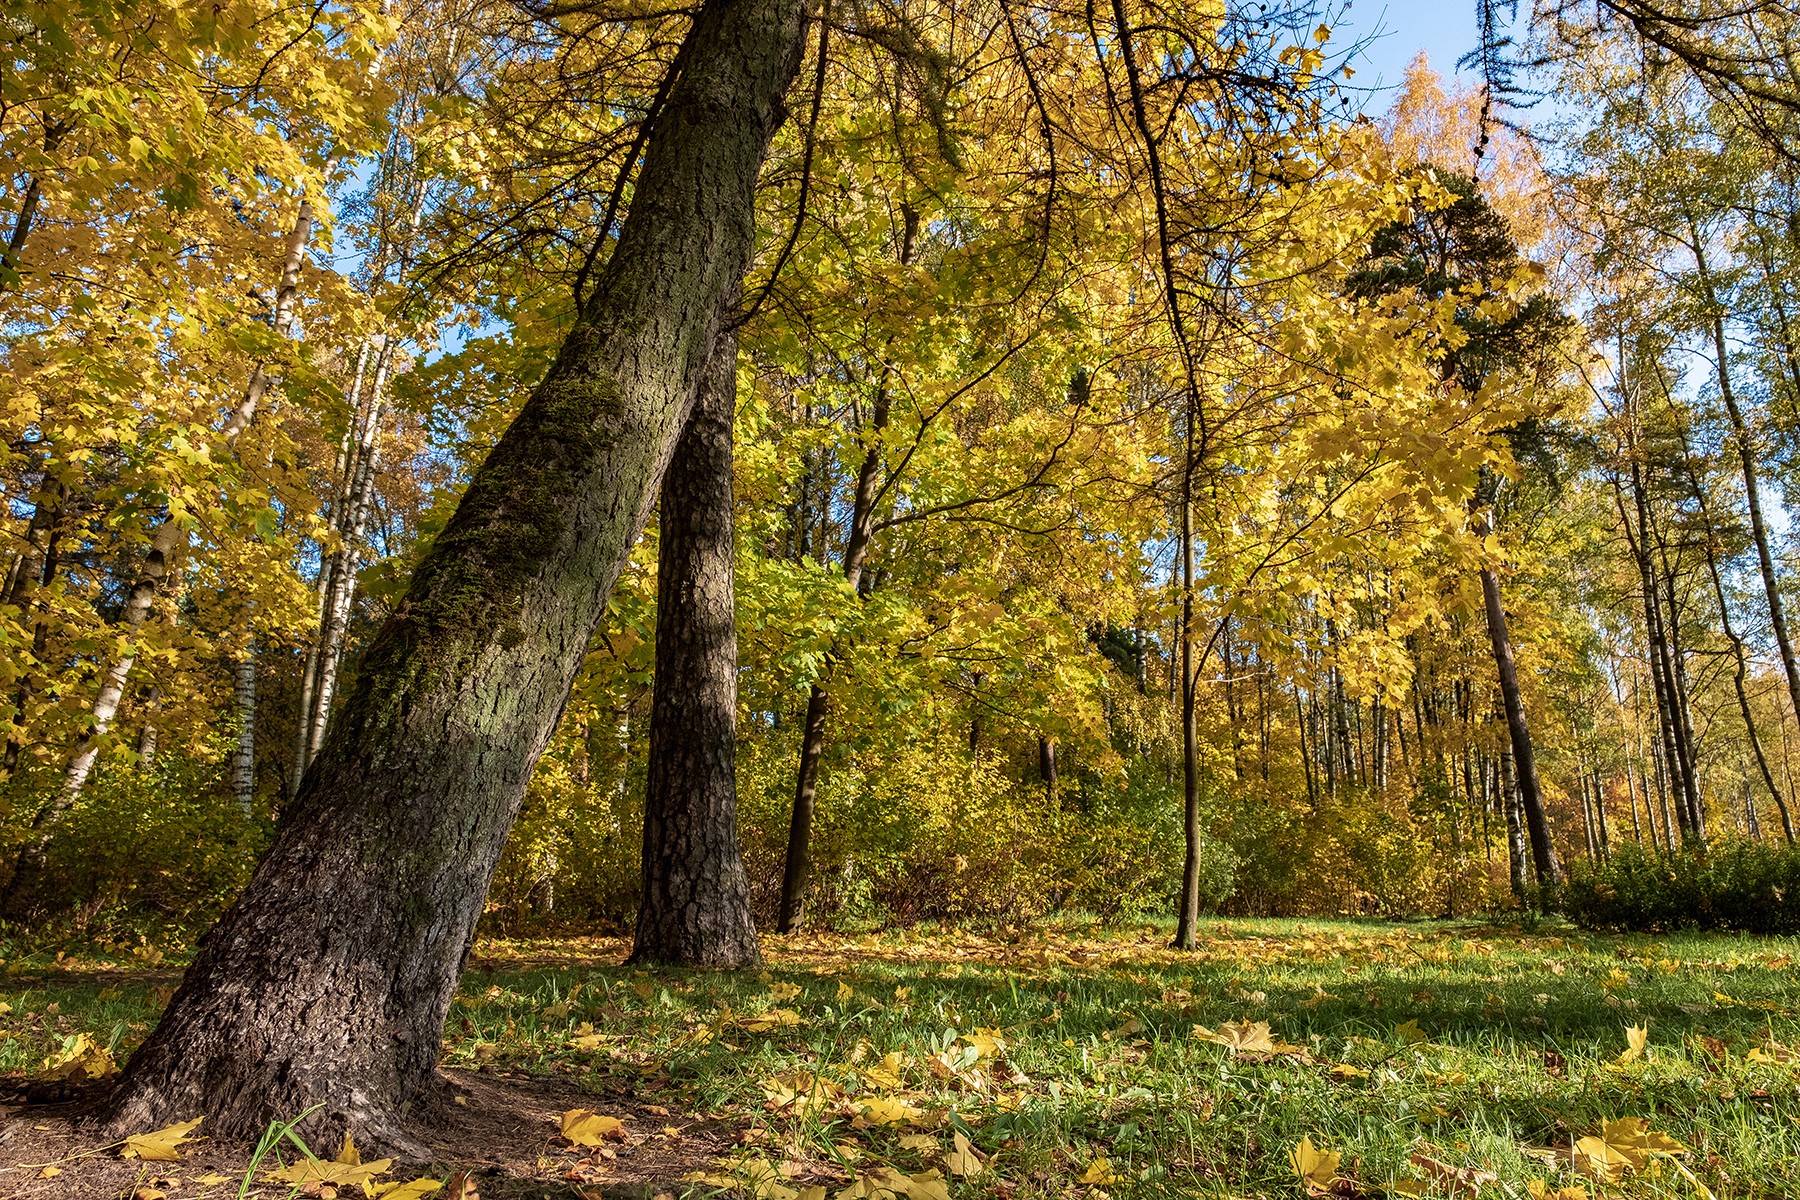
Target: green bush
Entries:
(1744, 886)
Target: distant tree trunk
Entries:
(797, 864)
(35, 568)
(167, 540)
(327, 982)
(1517, 860)
(1746, 452)
(1684, 724)
(355, 498)
(1600, 815)
(858, 537)
(1047, 768)
(243, 758)
(1661, 674)
(1188, 913)
(1531, 801)
(694, 906)
(1740, 664)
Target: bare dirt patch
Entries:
(503, 1132)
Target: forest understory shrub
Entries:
(1742, 886)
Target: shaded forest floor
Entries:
(1434, 1059)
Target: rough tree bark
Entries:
(694, 908)
(327, 981)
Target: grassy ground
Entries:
(1067, 1059)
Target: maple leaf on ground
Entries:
(775, 1018)
(1457, 1181)
(80, 1058)
(1099, 1171)
(963, 1158)
(1622, 1145)
(584, 1127)
(1240, 1037)
(887, 1110)
(311, 1171)
(1539, 1190)
(1636, 1038)
(160, 1146)
(1316, 1168)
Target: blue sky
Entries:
(1444, 29)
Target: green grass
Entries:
(1100, 1059)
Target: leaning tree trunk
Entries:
(1531, 800)
(694, 909)
(327, 982)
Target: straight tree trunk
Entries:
(694, 905)
(1531, 801)
(1517, 856)
(327, 982)
(1661, 673)
(243, 758)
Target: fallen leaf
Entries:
(1636, 1037)
(1240, 1037)
(775, 1018)
(314, 1171)
(1099, 1171)
(963, 1158)
(887, 1110)
(1316, 1168)
(160, 1146)
(1410, 1033)
(784, 991)
(1458, 1181)
(416, 1189)
(1540, 1190)
(80, 1058)
(585, 1127)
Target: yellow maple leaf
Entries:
(1099, 1171)
(886, 1073)
(784, 991)
(927, 1185)
(845, 992)
(585, 1127)
(987, 1043)
(80, 1058)
(1410, 1033)
(307, 1172)
(1240, 1037)
(1622, 1145)
(1539, 1190)
(887, 1110)
(963, 1159)
(775, 1018)
(1636, 1038)
(802, 1092)
(160, 1146)
(1316, 1168)
(413, 1189)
